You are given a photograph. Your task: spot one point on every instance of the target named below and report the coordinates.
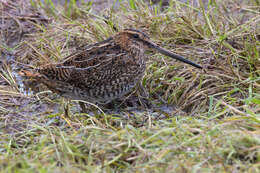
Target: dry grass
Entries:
(213, 125)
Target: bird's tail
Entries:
(30, 74)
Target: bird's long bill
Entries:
(173, 55)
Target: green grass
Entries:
(215, 122)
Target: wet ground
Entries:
(21, 103)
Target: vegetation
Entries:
(200, 121)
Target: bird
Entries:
(103, 71)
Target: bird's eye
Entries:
(136, 36)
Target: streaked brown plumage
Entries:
(103, 71)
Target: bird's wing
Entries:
(90, 68)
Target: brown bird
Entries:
(103, 71)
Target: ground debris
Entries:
(19, 18)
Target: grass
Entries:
(214, 122)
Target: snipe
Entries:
(103, 71)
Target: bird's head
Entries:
(134, 39)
